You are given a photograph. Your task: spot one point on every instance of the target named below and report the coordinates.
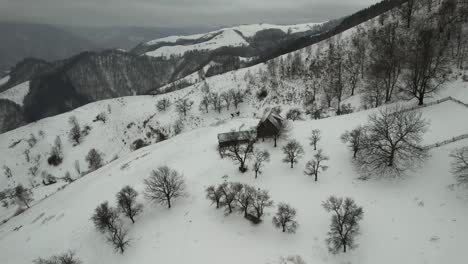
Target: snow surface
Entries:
(17, 93)
(4, 80)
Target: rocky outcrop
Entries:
(10, 115)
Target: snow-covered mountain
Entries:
(239, 36)
(419, 218)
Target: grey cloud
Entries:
(176, 13)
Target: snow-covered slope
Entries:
(422, 217)
(17, 93)
(226, 37)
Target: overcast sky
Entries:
(176, 13)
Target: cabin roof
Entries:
(274, 119)
(237, 136)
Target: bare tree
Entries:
(7, 172)
(164, 185)
(354, 139)
(183, 105)
(229, 191)
(74, 135)
(237, 97)
(260, 157)
(260, 201)
(32, 140)
(315, 138)
(127, 203)
(163, 104)
(105, 218)
(427, 65)
(285, 218)
(119, 239)
(293, 151)
(460, 165)
(205, 103)
(22, 195)
(94, 159)
(227, 98)
(56, 153)
(215, 194)
(216, 101)
(240, 150)
(392, 142)
(282, 132)
(314, 166)
(244, 196)
(344, 225)
(294, 114)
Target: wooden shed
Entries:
(269, 125)
(234, 138)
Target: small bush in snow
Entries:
(22, 196)
(163, 104)
(127, 203)
(293, 151)
(346, 109)
(56, 153)
(7, 171)
(178, 127)
(138, 144)
(164, 185)
(32, 140)
(460, 165)
(65, 258)
(285, 218)
(262, 94)
(94, 159)
(183, 106)
(344, 225)
(74, 135)
(101, 117)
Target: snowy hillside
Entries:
(16, 94)
(422, 217)
(226, 37)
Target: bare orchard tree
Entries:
(244, 197)
(163, 185)
(285, 218)
(105, 218)
(127, 203)
(282, 132)
(316, 165)
(240, 150)
(237, 96)
(293, 151)
(216, 101)
(215, 194)
(260, 201)
(260, 158)
(229, 191)
(393, 142)
(183, 106)
(344, 225)
(119, 238)
(460, 165)
(227, 98)
(205, 103)
(354, 139)
(315, 138)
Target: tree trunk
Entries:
(316, 176)
(391, 158)
(275, 142)
(344, 247)
(292, 164)
(284, 228)
(421, 100)
(131, 218)
(256, 173)
(169, 202)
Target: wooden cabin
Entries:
(269, 125)
(234, 138)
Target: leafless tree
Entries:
(22, 195)
(315, 137)
(392, 142)
(354, 139)
(344, 225)
(294, 114)
(119, 238)
(316, 165)
(164, 185)
(94, 159)
(260, 157)
(183, 105)
(460, 165)
(163, 104)
(127, 203)
(56, 153)
(105, 218)
(32, 140)
(285, 218)
(216, 102)
(215, 194)
(74, 135)
(244, 196)
(260, 201)
(293, 151)
(237, 96)
(205, 103)
(227, 98)
(240, 150)
(427, 64)
(282, 132)
(229, 191)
